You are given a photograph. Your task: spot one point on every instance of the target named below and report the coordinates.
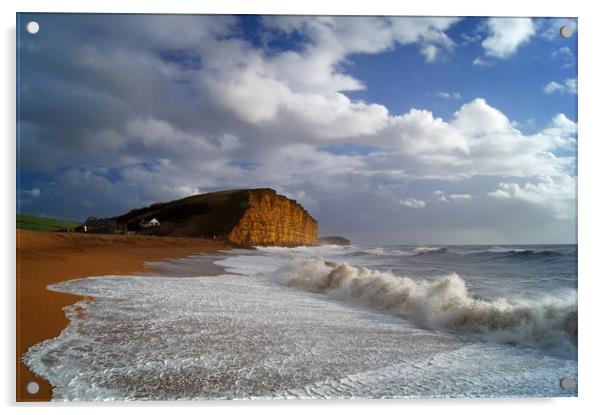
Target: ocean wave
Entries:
(491, 252)
(375, 251)
(445, 303)
(379, 251)
(514, 253)
(428, 250)
(528, 253)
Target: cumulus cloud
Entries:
(412, 203)
(562, 128)
(442, 197)
(448, 95)
(419, 132)
(505, 36)
(556, 193)
(569, 86)
(430, 52)
(479, 61)
(305, 85)
(479, 118)
(337, 37)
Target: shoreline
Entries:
(50, 258)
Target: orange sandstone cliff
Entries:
(244, 217)
(272, 219)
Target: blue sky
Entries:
(401, 79)
(388, 130)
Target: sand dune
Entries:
(48, 258)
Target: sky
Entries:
(386, 129)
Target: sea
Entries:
(327, 322)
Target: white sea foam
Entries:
(380, 251)
(444, 303)
(246, 335)
(375, 251)
(425, 249)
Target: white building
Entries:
(153, 222)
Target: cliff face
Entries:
(243, 217)
(272, 219)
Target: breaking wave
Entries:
(528, 253)
(444, 303)
(510, 253)
(513, 253)
(516, 253)
(379, 251)
(423, 250)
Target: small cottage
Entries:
(149, 224)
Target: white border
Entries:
(380, 7)
(589, 191)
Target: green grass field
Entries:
(42, 224)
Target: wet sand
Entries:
(50, 258)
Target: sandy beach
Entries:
(49, 258)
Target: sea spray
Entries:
(444, 303)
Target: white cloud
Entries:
(160, 133)
(561, 126)
(419, 132)
(479, 140)
(552, 87)
(506, 35)
(335, 116)
(563, 52)
(528, 123)
(479, 61)
(479, 118)
(449, 95)
(442, 197)
(429, 51)
(555, 193)
(336, 37)
(565, 57)
(412, 203)
(568, 87)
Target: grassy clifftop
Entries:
(202, 215)
(43, 224)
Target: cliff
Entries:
(272, 219)
(244, 217)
